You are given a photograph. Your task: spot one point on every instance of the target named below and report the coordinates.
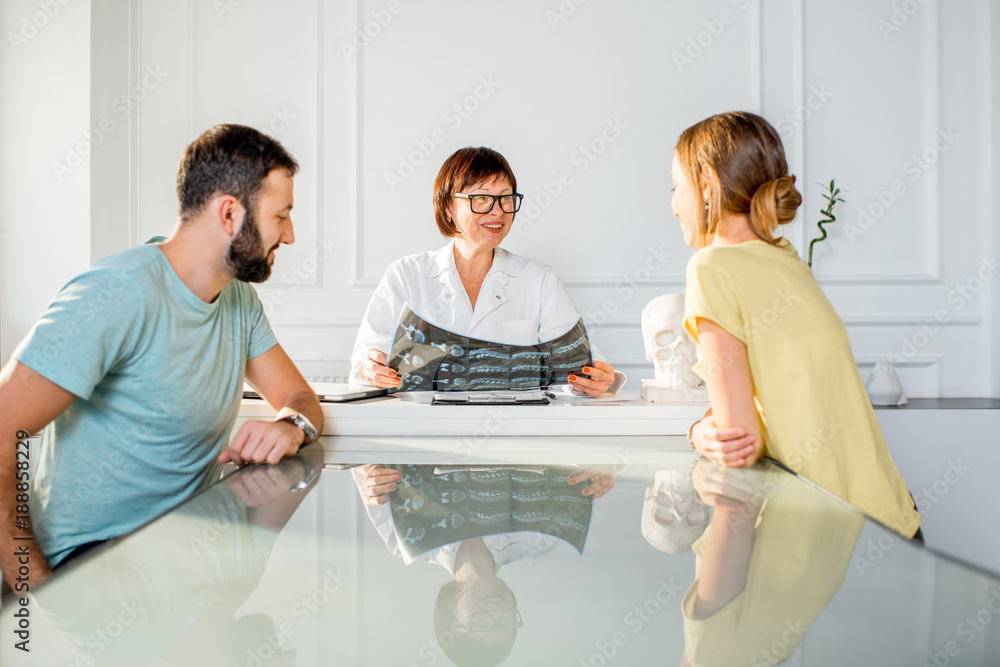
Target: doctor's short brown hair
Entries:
(464, 168)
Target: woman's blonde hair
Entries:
(742, 155)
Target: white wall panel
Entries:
(44, 162)
(882, 109)
(556, 92)
(359, 90)
(991, 169)
(254, 64)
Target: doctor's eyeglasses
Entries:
(484, 203)
(484, 622)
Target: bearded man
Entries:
(135, 372)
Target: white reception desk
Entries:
(391, 428)
(392, 416)
(945, 448)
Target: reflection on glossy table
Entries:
(286, 565)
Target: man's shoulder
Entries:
(133, 258)
(137, 265)
(130, 273)
(239, 294)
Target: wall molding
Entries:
(909, 319)
(115, 167)
(632, 361)
(889, 280)
(356, 209)
(934, 237)
(851, 320)
(357, 277)
(916, 361)
(778, 58)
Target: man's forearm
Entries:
(304, 401)
(21, 560)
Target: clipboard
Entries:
(525, 397)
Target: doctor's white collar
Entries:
(444, 260)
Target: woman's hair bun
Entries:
(787, 198)
(774, 203)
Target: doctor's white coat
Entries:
(522, 302)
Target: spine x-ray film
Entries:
(429, 358)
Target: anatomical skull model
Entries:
(673, 516)
(671, 350)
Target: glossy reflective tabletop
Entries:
(658, 562)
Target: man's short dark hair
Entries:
(228, 159)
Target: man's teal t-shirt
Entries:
(158, 374)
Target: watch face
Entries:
(303, 423)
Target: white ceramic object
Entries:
(673, 516)
(672, 351)
(883, 385)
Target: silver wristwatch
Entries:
(303, 423)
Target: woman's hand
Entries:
(722, 487)
(376, 372)
(602, 480)
(602, 376)
(726, 446)
(379, 483)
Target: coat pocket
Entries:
(520, 332)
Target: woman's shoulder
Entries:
(745, 255)
(710, 259)
(419, 262)
(516, 265)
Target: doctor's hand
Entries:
(601, 478)
(602, 376)
(376, 372)
(379, 483)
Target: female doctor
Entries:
(471, 286)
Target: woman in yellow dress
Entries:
(781, 377)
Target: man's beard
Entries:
(247, 259)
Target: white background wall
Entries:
(44, 109)
(853, 99)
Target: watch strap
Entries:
(303, 423)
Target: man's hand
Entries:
(263, 442)
(725, 446)
(28, 402)
(275, 377)
(257, 486)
